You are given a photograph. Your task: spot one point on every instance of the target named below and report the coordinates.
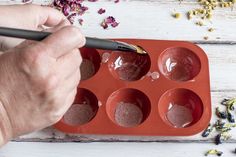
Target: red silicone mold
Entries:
(164, 93)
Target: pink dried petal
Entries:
(101, 11)
(74, 6)
(116, 1)
(114, 24)
(92, 0)
(82, 10)
(66, 10)
(81, 21)
(110, 19)
(71, 18)
(57, 3)
(104, 25)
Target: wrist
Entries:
(5, 126)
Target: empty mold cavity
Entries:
(128, 107)
(83, 109)
(90, 64)
(180, 108)
(128, 66)
(179, 64)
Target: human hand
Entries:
(39, 81)
(32, 17)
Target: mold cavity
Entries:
(128, 107)
(180, 108)
(90, 64)
(87, 69)
(179, 116)
(83, 110)
(179, 64)
(128, 66)
(128, 114)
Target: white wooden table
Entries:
(150, 19)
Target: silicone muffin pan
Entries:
(164, 93)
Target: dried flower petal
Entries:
(81, 21)
(71, 18)
(70, 8)
(230, 118)
(222, 115)
(101, 11)
(213, 152)
(222, 137)
(110, 20)
(114, 24)
(176, 15)
(73, 8)
(224, 101)
(66, 9)
(218, 139)
(207, 131)
(104, 25)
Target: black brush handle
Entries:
(101, 44)
(90, 42)
(24, 34)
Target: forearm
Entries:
(2, 20)
(5, 130)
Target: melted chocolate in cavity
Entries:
(79, 114)
(128, 114)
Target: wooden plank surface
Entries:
(152, 19)
(124, 149)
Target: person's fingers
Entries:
(25, 43)
(68, 64)
(36, 15)
(62, 24)
(43, 15)
(71, 82)
(49, 17)
(64, 41)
